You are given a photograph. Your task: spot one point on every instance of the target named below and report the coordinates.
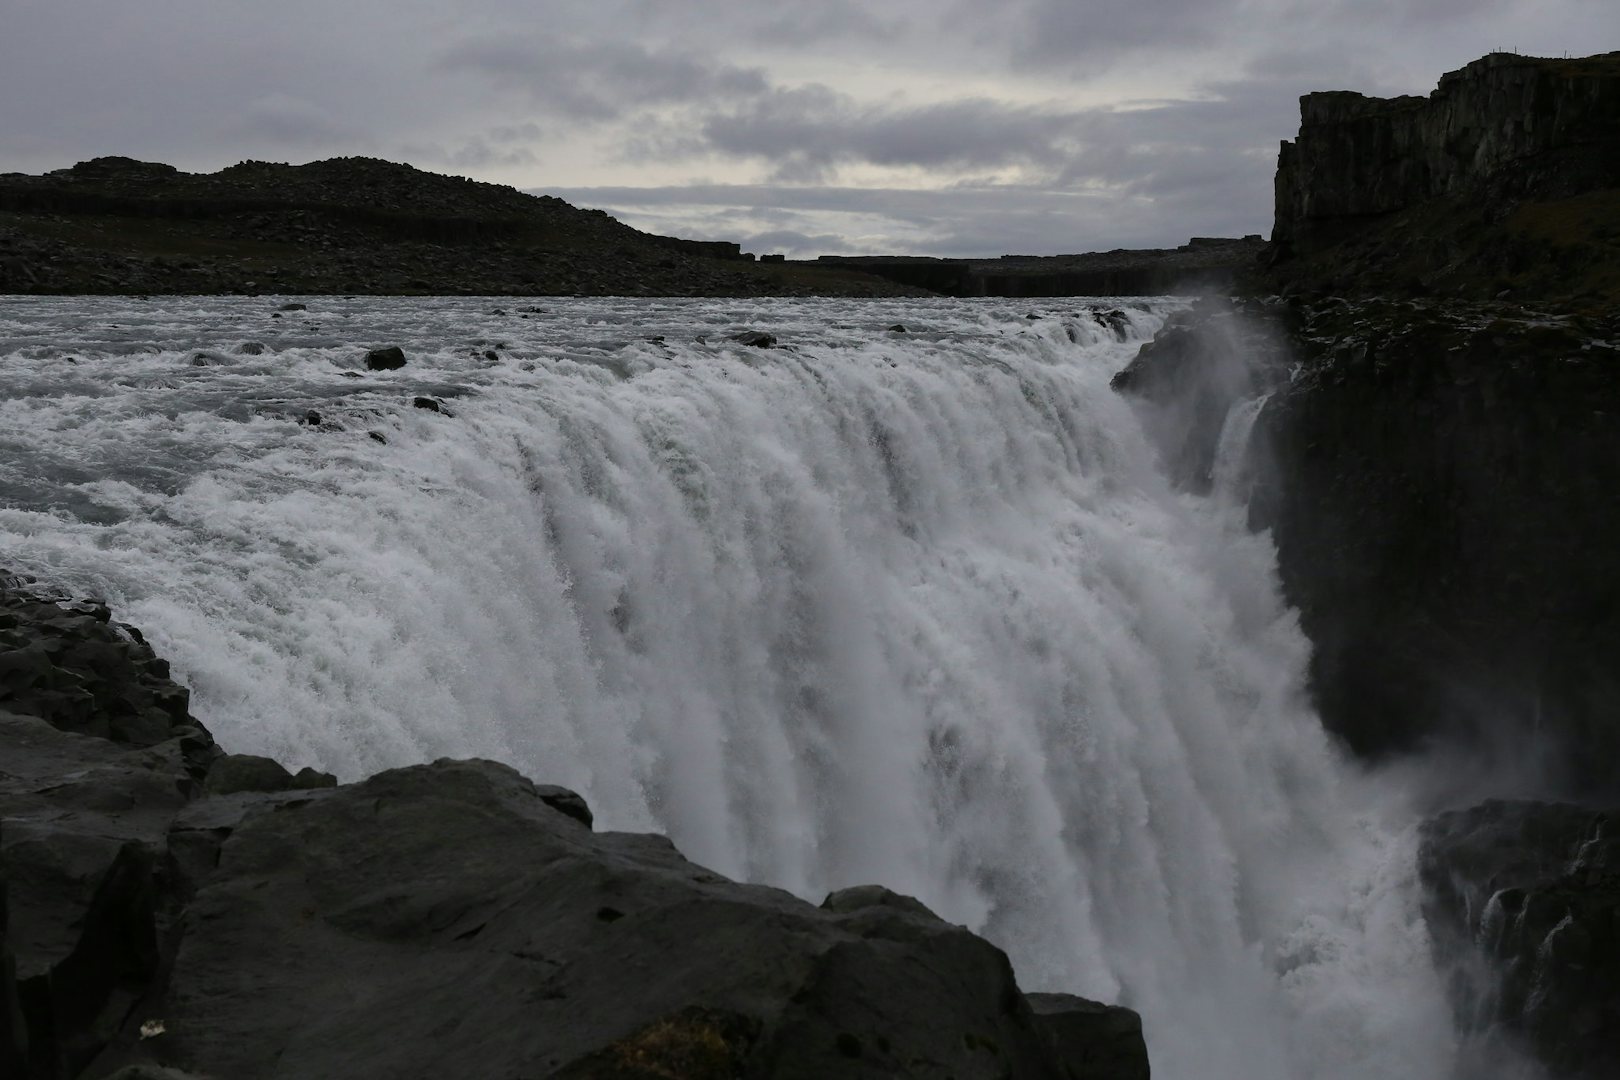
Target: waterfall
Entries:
(907, 606)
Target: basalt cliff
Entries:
(1436, 328)
(1502, 183)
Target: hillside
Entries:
(352, 225)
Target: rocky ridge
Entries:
(170, 910)
(351, 225)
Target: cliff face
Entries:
(1533, 890)
(1504, 182)
(1441, 482)
(1517, 126)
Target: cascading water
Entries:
(912, 607)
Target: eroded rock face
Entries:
(168, 911)
(1441, 482)
(1523, 900)
(1499, 185)
(1186, 381)
(1529, 126)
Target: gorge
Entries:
(1213, 695)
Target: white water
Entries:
(909, 608)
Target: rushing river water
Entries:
(912, 606)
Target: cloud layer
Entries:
(941, 127)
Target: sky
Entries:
(948, 127)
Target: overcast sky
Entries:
(949, 127)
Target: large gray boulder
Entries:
(454, 919)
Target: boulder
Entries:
(1095, 1041)
(391, 358)
(409, 895)
(757, 339)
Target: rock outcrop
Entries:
(1501, 180)
(1523, 900)
(1507, 125)
(1186, 381)
(167, 910)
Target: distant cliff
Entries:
(1205, 264)
(1503, 180)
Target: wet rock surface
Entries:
(1440, 480)
(1523, 900)
(169, 910)
(1187, 380)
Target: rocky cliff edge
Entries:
(168, 910)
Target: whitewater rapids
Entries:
(911, 606)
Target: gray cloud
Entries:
(806, 131)
(1023, 127)
(594, 81)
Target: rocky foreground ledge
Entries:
(169, 910)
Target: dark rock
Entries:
(167, 911)
(1549, 126)
(1501, 180)
(293, 307)
(1115, 320)
(432, 886)
(756, 338)
(251, 348)
(898, 328)
(566, 802)
(311, 779)
(391, 358)
(246, 772)
(428, 403)
(1434, 477)
(1523, 902)
(1095, 1041)
(310, 418)
(71, 666)
(1187, 379)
